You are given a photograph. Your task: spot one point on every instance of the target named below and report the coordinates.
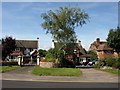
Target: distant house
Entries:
(25, 48)
(78, 51)
(102, 49)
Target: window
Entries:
(17, 49)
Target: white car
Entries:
(92, 62)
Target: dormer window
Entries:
(17, 49)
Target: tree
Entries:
(53, 54)
(93, 55)
(62, 23)
(42, 52)
(8, 45)
(113, 39)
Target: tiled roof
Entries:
(61, 46)
(27, 43)
(104, 47)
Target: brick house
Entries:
(25, 48)
(102, 49)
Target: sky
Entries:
(22, 20)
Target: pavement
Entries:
(89, 75)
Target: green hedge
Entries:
(100, 64)
(109, 61)
(8, 63)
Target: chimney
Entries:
(53, 46)
(98, 40)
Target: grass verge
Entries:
(8, 68)
(56, 71)
(112, 71)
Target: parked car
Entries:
(92, 62)
(95, 61)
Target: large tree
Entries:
(8, 45)
(42, 52)
(113, 39)
(62, 22)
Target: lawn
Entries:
(8, 68)
(113, 71)
(56, 71)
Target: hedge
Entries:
(8, 63)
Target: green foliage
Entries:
(62, 22)
(12, 63)
(113, 62)
(56, 71)
(116, 63)
(93, 55)
(100, 64)
(110, 61)
(113, 39)
(42, 52)
(54, 54)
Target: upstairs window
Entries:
(17, 49)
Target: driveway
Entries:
(89, 75)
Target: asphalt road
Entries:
(37, 84)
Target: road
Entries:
(38, 84)
(89, 75)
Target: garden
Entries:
(109, 64)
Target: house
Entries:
(102, 49)
(76, 50)
(25, 48)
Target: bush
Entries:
(67, 63)
(54, 54)
(100, 64)
(9, 63)
(49, 57)
(110, 61)
(116, 64)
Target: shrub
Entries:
(116, 64)
(110, 61)
(9, 63)
(100, 64)
(54, 54)
(49, 57)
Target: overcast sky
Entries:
(22, 20)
